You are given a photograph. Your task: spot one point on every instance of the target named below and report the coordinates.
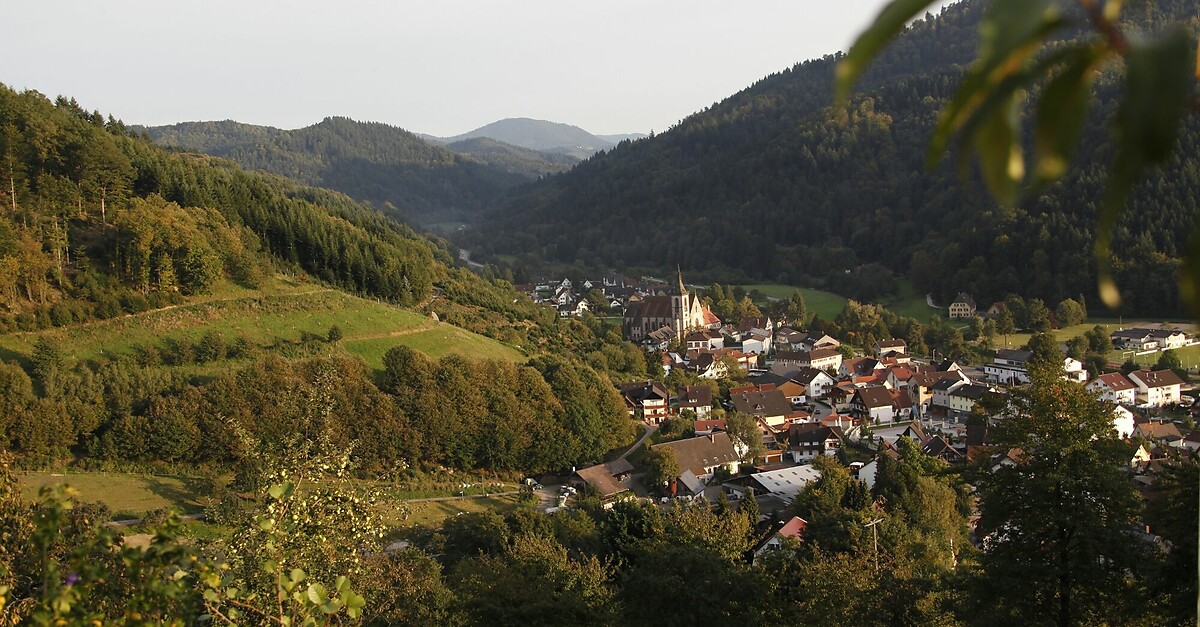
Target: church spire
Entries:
(682, 289)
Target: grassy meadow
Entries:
(285, 310)
(825, 304)
(127, 495)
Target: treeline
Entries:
(899, 553)
(372, 162)
(547, 415)
(96, 222)
(775, 184)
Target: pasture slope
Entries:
(282, 312)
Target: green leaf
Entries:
(270, 566)
(1000, 159)
(887, 24)
(1009, 39)
(281, 490)
(1061, 112)
(1158, 73)
(317, 594)
(297, 575)
(354, 604)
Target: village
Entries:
(809, 395)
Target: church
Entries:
(680, 311)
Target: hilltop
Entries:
(387, 166)
(542, 136)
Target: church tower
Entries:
(681, 305)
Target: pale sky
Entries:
(440, 66)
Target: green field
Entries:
(909, 304)
(283, 311)
(127, 495)
(430, 514)
(825, 304)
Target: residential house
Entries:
(938, 447)
(941, 392)
(1164, 433)
(794, 391)
(709, 425)
(1143, 339)
(964, 398)
(963, 306)
(790, 531)
(704, 339)
(808, 440)
(890, 434)
(1156, 388)
(784, 483)
(757, 343)
(898, 377)
(829, 359)
(816, 342)
(1114, 387)
(703, 455)
(860, 367)
(873, 404)
(1010, 367)
(697, 398)
(771, 406)
(1124, 422)
(787, 338)
(817, 382)
(890, 346)
(610, 480)
(648, 400)
(920, 386)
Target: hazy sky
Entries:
(438, 66)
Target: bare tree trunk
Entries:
(12, 192)
(103, 194)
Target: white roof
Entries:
(786, 483)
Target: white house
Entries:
(1123, 422)
(873, 404)
(817, 382)
(1114, 387)
(1156, 388)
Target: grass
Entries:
(825, 304)
(284, 309)
(127, 495)
(909, 304)
(431, 514)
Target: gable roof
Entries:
(768, 403)
(1156, 378)
(603, 476)
(812, 433)
(1159, 431)
(874, 397)
(639, 391)
(694, 396)
(699, 453)
(1115, 381)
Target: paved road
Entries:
(650, 429)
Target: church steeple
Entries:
(682, 289)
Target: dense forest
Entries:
(775, 184)
(387, 166)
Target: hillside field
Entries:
(284, 310)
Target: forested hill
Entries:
(775, 184)
(94, 217)
(387, 166)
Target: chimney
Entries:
(712, 437)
